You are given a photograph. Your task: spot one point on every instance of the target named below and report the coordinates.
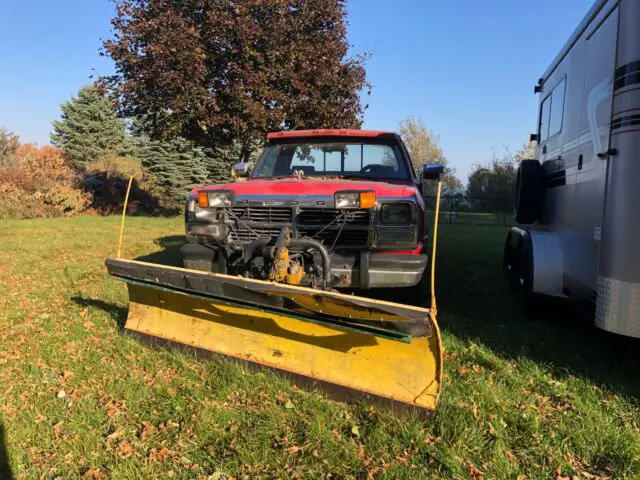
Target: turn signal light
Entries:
(367, 199)
(203, 199)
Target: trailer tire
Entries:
(518, 267)
(529, 192)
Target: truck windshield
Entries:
(382, 161)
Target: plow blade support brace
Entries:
(353, 344)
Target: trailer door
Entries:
(590, 171)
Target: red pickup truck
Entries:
(322, 208)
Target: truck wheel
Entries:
(529, 192)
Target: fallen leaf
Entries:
(145, 429)
(293, 450)
(114, 407)
(125, 448)
(57, 429)
(93, 474)
(474, 411)
(159, 455)
(67, 375)
(118, 433)
(61, 394)
(355, 430)
(289, 405)
(475, 473)
(559, 475)
(8, 409)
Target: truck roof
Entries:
(332, 132)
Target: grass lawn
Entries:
(524, 397)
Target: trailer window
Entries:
(545, 111)
(552, 112)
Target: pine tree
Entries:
(176, 166)
(89, 128)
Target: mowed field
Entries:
(545, 397)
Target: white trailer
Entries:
(578, 203)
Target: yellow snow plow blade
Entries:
(354, 344)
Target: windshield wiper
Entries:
(363, 177)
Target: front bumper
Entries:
(362, 270)
(380, 270)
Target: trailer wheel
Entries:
(529, 192)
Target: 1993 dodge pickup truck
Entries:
(322, 208)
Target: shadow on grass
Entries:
(475, 304)
(170, 253)
(5, 467)
(115, 311)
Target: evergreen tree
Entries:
(176, 166)
(89, 128)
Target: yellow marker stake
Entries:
(434, 309)
(124, 213)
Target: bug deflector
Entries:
(384, 349)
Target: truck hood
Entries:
(301, 187)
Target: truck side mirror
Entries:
(432, 171)
(241, 170)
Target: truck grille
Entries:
(330, 226)
(242, 234)
(324, 216)
(346, 238)
(264, 214)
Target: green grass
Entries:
(524, 397)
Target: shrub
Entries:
(39, 183)
(116, 166)
(107, 180)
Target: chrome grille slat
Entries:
(264, 214)
(245, 235)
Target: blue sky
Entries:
(467, 67)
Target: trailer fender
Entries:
(533, 260)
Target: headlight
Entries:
(355, 199)
(214, 199)
(396, 214)
(347, 200)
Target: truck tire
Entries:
(529, 192)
